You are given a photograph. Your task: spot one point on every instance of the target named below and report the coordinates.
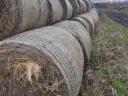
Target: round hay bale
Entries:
(88, 4)
(92, 18)
(21, 15)
(83, 21)
(80, 33)
(89, 20)
(42, 62)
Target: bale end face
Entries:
(7, 17)
(27, 72)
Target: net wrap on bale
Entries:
(89, 20)
(80, 33)
(40, 62)
(81, 27)
(21, 15)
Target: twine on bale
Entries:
(47, 61)
(21, 15)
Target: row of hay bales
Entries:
(21, 15)
(47, 61)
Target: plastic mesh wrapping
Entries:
(57, 44)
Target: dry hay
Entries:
(89, 20)
(47, 61)
(42, 62)
(28, 73)
(20, 15)
(80, 33)
(81, 27)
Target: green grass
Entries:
(119, 86)
(104, 71)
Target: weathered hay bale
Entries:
(80, 33)
(80, 27)
(84, 22)
(89, 20)
(21, 15)
(43, 62)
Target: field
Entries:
(117, 11)
(107, 71)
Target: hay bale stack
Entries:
(42, 62)
(48, 61)
(80, 33)
(80, 27)
(89, 20)
(21, 15)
